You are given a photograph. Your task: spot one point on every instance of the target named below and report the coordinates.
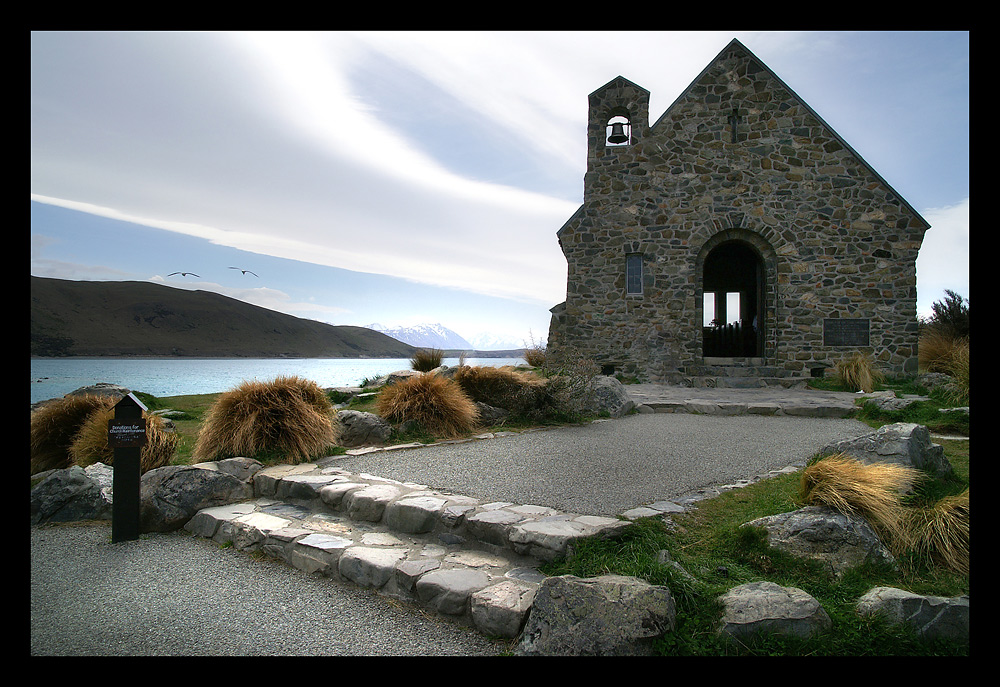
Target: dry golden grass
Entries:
(873, 491)
(91, 443)
(289, 417)
(535, 357)
(937, 348)
(56, 424)
(941, 532)
(504, 387)
(426, 359)
(437, 404)
(858, 372)
(958, 368)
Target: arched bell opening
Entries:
(618, 131)
(733, 280)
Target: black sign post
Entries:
(127, 436)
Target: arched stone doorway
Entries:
(734, 288)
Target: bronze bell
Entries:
(618, 134)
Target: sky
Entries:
(405, 178)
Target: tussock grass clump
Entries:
(436, 403)
(55, 425)
(426, 359)
(958, 368)
(858, 373)
(519, 392)
(938, 347)
(941, 532)
(91, 443)
(287, 417)
(873, 491)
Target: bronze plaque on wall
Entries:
(846, 331)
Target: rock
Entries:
(767, 607)
(357, 428)
(101, 389)
(171, 495)
(241, 468)
(448, 591)
(73, 493)
(837, 540)
(607, 395)
(932, 617)
(610, 615)
(393, 378)
(489, 415)
(501, 610)
(904, 443)
(369, 566)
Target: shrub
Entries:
(56, 424)
(941, 532)
(858, 373)
(951, 315)
(521, 393)
(426, 359)
(91, 443)
(288, 416)
(436, 403)
(873, 491)
(534, 352)
(936, 349)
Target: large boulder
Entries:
(904, 443)
(606, 395)
(73, 493)
(172, 495)
(610, 615)
(357, 428)
(765, 607)
(931, 617)
(822, 533)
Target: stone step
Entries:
(748, 381)
(476, 563)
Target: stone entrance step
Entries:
(474, 562)
(744, 373)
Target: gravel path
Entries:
(176, 595)
(607, 468)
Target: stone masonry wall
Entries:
(834, 240)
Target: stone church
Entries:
(738, 234)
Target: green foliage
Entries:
(951, 315)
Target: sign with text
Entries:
(839, 331)
(129, 433)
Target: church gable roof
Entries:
(736, 46)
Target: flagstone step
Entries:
(475, 562)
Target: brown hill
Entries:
(96, 318)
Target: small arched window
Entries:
(618, 131)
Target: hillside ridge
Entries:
(129, 318)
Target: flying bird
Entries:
(184, 274)
(244, 271)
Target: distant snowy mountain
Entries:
(425, 336)
(493, 342)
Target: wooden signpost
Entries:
(126, 436)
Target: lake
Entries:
(55, 377)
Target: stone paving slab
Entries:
(475, 562)
(663, 398)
